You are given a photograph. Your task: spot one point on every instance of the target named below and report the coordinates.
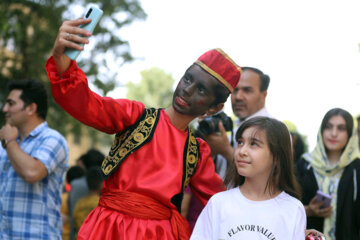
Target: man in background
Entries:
(248, 101)
(33, 162)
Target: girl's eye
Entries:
(240, 142)
(201, 90)
(254, 144)
(342, 128)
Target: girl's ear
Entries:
(214, 109)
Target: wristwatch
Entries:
(5, 142)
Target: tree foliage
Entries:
(154, 89)
(28, 29)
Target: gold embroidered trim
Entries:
(133, 138)
(128, 141)
(192, 156)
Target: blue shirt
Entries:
(32, 211)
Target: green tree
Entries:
(154, 89)
(28, 29)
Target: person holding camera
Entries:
(155, 155)
(248, 101)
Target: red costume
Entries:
(154, 171)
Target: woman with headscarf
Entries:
(334, 169)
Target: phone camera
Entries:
(88, 13)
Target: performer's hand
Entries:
(68, 37)
(315, 209)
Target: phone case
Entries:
(320, 196)
(95, 14)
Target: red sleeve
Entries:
(72, 93)
(205, 182)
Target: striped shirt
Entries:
(32, 211)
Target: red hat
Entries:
(217, 63)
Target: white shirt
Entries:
(261, 113)
(229, 215)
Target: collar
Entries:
(38, 129)
(261, 113)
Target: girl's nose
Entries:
(243, 151)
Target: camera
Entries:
(210, 124)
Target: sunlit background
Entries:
(310, 50)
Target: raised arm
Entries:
(70, 88)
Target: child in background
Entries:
(264, 203)
(86, 204)
(72, 173)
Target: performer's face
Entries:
(195, 92)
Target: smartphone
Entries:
(323, 197)
(94, 14)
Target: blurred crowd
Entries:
(39, 188)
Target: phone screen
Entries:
(323, 197)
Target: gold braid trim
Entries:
(130, 140)
(139, 134)
(191, 155)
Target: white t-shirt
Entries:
(229, 215)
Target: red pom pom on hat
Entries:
(217, 63)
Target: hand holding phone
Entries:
(94, 14)
(323, 197)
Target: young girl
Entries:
(333, 168)
(264, 203)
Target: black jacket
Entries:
(348, 202)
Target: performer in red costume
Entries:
(154, 155)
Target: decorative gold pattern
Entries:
(192, 156)
(128, 141)
(133, 138)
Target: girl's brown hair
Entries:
(282, 174)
